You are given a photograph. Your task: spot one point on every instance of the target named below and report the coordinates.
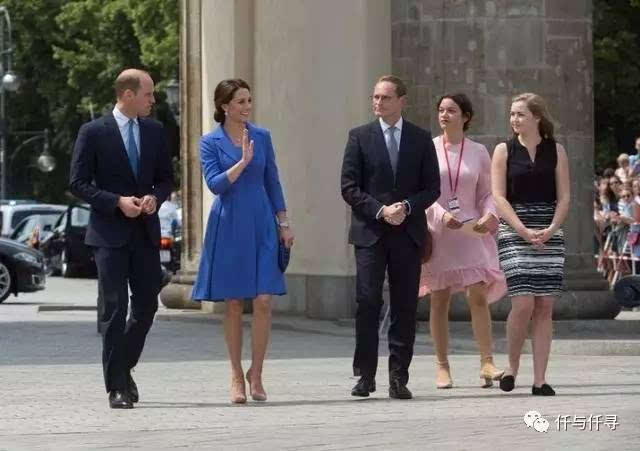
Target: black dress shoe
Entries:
(132, 388)
(398, 390)
(364, 386)
(544, 390)
(507, 383)
(119, 399)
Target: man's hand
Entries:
(394, 214)
(148, 204)
(130, 206)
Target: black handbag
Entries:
(284, 253)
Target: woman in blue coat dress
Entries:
(247, 219)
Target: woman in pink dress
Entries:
(464, 258)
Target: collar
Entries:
(121, 118)
(386, 126)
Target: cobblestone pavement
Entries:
(52, 396)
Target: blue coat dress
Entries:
(240, 251)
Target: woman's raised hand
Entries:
(247, 148)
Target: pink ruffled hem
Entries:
(458, 279)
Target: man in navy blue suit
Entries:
(121, 167)
(389, 177)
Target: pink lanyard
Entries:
(446, 156)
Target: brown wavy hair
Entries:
(224, 93)
(538, 108)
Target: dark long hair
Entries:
(224, 93)
(463, 103)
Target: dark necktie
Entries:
(392, 147)
(132, 150)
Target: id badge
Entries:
(454, 205)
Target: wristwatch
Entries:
(284, 224)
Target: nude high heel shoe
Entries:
(255, 395)
(238, 395)
(489, 372)
(443, 375)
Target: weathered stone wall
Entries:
(492, 50)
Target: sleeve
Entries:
(435, 214)
(82, 174)
(272, 179)
(430, 192)
(351, 181)
(215, 177)
(484, 199)
(163, 176)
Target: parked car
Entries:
(12, 213)
(63, 247)
(21, 269)
(30, 228)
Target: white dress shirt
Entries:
(397, 134)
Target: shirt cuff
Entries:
(407, 206)
(379, 214)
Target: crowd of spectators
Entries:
(617, 216)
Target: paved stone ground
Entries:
(52, 395)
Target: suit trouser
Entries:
(135, 265)
(397, 253)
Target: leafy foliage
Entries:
(616, 54)
(67, 54)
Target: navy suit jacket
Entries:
(368, 183)
(101, 173)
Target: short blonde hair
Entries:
(622, 157)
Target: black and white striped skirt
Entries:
(529, 271)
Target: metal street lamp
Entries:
(45, 162)
(173, 97)
(10, 82)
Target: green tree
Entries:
(68, 54)
(616, 52)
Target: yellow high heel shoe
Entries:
(489, 372)
(443, 375)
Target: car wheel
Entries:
(5, 281)
(66, 270)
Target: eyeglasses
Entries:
(615, 182)
(381, 99)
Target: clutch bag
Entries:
(284, 253)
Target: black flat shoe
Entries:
(364, 386)
(119, 399)
(398, 390)
(132, 388)
(544, 390)
(507, 383)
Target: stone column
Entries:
(492, 50)
(177, 294)
(315, 66)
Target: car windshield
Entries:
(19, 215)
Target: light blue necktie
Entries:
(132, 150)
(392, 147)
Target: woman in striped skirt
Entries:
(530, 184)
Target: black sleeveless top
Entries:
(528, 181)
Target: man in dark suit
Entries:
(121, 167)
(390, 176)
